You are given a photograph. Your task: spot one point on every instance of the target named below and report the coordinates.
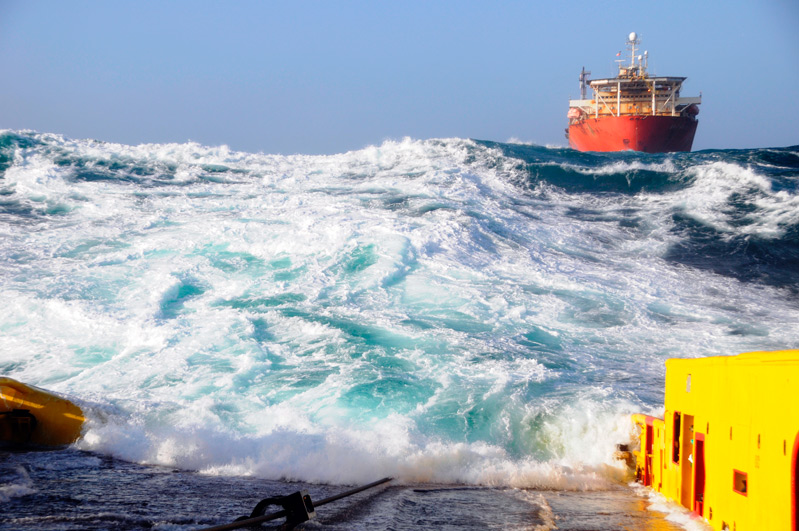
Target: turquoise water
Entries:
(446, 311)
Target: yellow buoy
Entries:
(29, 415)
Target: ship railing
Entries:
(663, 106)
(605, 104)
(675, 105)
(587, 106)
(684, 103)
(603, 108)
(637, 105)
(689, 101)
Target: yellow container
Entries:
(728, 444)
(29, 415)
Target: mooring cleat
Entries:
(298, 507)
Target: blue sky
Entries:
(327, 77)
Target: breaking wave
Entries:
(443, 310)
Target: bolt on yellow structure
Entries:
(727, 445)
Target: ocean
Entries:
(473, 319)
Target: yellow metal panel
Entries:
(59, 421)
(742, 409)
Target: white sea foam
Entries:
(716, 182)
(624, 166)
(21, 485)
(295, 448)
(674, 513)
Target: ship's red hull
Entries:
(651, 134)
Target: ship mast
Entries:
(637, 67)
(631, 42)
(583, 82)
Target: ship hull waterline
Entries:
(649, 134)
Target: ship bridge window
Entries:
(675, 434)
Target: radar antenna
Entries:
(632, 42)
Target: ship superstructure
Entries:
(633, 110)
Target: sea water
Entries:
(452, 313)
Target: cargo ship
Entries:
(727, 447)
(632, 111)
